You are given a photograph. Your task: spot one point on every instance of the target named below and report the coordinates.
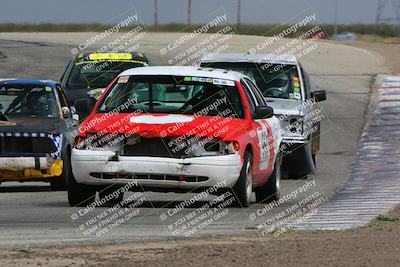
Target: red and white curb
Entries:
(373, 187)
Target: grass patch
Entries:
(384, 222)
(388, 218)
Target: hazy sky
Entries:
(253, 11)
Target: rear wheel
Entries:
(270, 191)
(244, 186)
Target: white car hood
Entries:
(285, 106)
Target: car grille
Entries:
(154, 147)
(26, 145)
(148, 176)
(136, 145)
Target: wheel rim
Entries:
(249, 179)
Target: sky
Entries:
(175, 11)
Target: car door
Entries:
(263, 151)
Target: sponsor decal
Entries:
(223, 82)
(262, 134)
(296, 95)
(110, 56)
(150, 119)
(210, 80)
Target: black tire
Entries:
(314, 160)
(270, 191)
(107, 190)
(240, 190)
(60, 182)
(79, 195)
(311, 160)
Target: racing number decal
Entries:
(262, 133)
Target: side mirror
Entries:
(66, 112)
(83, 107)
(319, 96)
(263, 112)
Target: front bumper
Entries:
(218, 169)
(29, 168)
(291, 143)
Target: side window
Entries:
(63, 98)
(249, 97)
(257, 93)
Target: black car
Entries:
(89, 74)
(36, 130)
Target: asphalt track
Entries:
(31, 215)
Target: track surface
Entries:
(32, 215)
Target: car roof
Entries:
(12, 81)
(288, 59)
(185, 71)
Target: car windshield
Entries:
(28, 101)
(97, 74)
(174, 95)
(274, 80)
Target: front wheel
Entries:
(110, 195)
(270, 191)
(314, 158)
(244, 186)
(79, 195)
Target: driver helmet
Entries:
(280, 81)
(34, 103)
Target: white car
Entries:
(288, 89)
(178, 129)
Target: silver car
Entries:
(294, 98)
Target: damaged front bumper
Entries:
(103, 167)
(29, 168)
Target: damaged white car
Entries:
(289, 91)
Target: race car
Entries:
(288, 89)
(89, 73)
(36, 127)
(178, 129)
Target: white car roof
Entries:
(185, 71)
(288, 59)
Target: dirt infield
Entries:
(391, 53)
(375, 245)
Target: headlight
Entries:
(292, 126)
(296, 126)
(212, 147)
(105, 142)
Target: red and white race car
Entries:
(178, 129)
